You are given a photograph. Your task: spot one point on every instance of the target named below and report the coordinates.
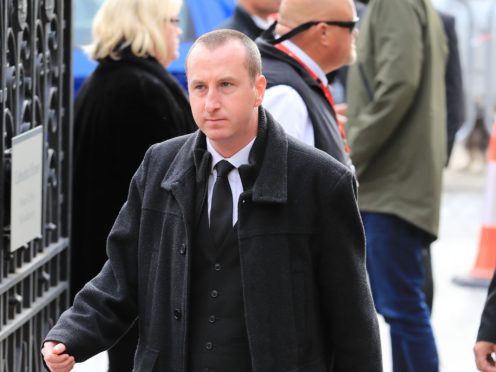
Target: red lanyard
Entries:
(324, 89)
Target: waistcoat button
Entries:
(177, 314)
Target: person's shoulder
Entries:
(309, 159)
(131, 73)
(133, 82)
(421, 9)
(160, 156)
(114, 80)
(381, 10)
(239, 20)
(312, 169)
(112, 86)
(171, 146)
(279, 71)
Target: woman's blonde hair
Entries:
(133, 23)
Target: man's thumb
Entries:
(59, 348)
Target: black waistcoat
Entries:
(217, 337)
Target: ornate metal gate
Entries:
(35, 92)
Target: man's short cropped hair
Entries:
(214, 39)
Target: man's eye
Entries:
(199, 87)
(226, 84)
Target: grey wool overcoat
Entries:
(308, 306)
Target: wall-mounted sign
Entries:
(26, 188)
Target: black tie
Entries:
(222, 204)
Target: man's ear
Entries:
(260, 85)
(323, 34)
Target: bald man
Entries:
(311, 39)
(252, 17)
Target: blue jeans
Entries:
(396, 272)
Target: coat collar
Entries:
(266, 171)
(150, 64)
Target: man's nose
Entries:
(212, 101)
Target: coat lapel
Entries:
(181, 179)
(271, 183)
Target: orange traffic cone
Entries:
(485, 264)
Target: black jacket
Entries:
(281, 69)
(242, 22)
(302, 255)
(487, 328)
(123, 108)
(455, 101)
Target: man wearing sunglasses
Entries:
(310, 39)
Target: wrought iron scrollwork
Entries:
(34, 92)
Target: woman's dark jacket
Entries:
(123, 108)
(302, 255)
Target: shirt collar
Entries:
(311, 64)
(260, 22)
(238, 159)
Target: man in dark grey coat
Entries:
(284, 289)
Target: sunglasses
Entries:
(343, 24)
(350, 25)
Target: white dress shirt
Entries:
(287, 106)
(260, 22)
(237, 160)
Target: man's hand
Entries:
(55, 359)
(484, 356)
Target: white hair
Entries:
(133, 23)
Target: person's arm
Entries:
(486, 337)
(398, 44)
(289, 110)
(107, 305)
(350, 320)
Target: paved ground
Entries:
(457, 309)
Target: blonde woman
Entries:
(129, 103)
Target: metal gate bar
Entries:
(35, 90)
